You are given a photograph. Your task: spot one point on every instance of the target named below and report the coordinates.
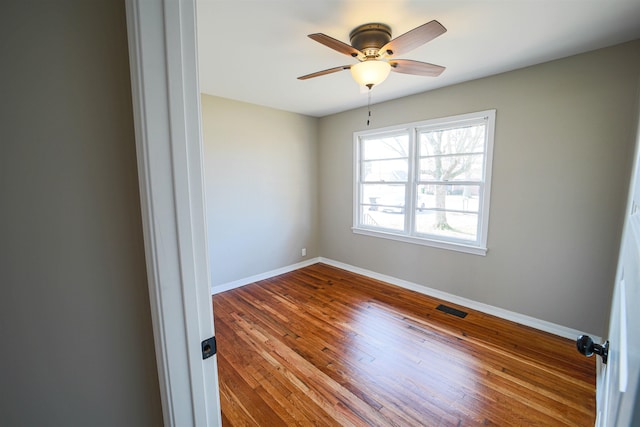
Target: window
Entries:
(426, 182)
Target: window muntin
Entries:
(427, 182)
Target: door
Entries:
(618, 395)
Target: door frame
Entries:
(166, 109)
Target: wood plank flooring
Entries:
(323, 346)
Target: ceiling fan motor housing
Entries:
(369, 38)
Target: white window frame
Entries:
(479, 247)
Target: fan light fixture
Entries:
(371, 44)
(370, 73)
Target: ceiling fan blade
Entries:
(323, 72)
(414, 38)
(336, 44)
(407, 66)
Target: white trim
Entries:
(475, 250)
(522, 319)
(252, 279)
(166, 102)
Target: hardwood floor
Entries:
(323, 346)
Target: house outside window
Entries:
(427, 182)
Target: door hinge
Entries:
(208, 347)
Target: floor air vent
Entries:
(451, 310)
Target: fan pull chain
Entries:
(369, 106)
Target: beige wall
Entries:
(563, 147)
(75, 324)
(261, 179)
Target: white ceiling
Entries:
(254, 50)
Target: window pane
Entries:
(449, 197)
(383, 196)
(385, 147)
(455, 225)
(380, 219)
(385, 170)
(469, 139)
(466, 167)
(386, 220)
(383, 206)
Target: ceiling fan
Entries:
(371, 44)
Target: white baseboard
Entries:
(522, 319)
(247, 280)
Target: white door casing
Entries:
(166, 104)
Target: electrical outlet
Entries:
(303, 252)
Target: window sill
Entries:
(452, 246)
